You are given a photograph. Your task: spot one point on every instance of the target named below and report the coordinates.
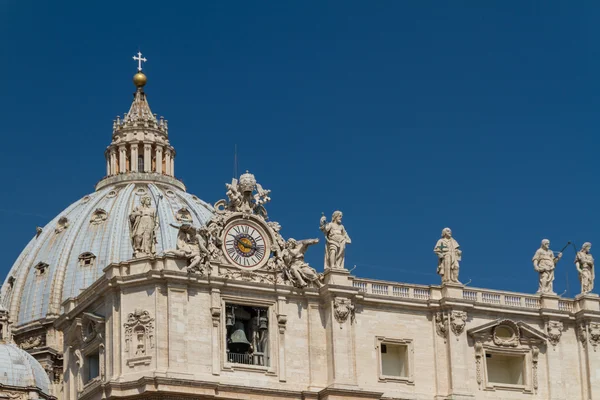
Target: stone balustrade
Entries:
(475, 295)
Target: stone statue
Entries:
(449, 254)
(544, 262)
(244, 195)
(295, 268)
(336, 239)
(143, 224)
(585, 266)
(192, 244)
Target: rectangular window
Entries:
(395, 358)
(505, 369)
(247, 335)
(92, 362)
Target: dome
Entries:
(70, 252)
(19, 369)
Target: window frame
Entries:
(408, 343)
(274, 350)
(525, 353)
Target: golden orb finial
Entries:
(139, 79)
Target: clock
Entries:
(246, 244)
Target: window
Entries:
(41, 268)
(140, 164)
(505, 368)
(395, 359)
(92, 363)
(86, 259)
(247, 335)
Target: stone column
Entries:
(147, 157)
(134, 157)
(340, 341)
(159, 157)
(172, 163)
(588, 333)
(317, 346)
(168, 161)
(215, 310)
(281, 325)
(122, 159)
(113, 161)
(177, 301)
(459, 362)
(107, 164)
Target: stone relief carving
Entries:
(98, 217)
(554, 331)
(506, 334)
(544, 262)
(143, 223)
(139, 333)
(246, 196)
(32, 342)
(458, 320)
(441, 324)
(252, 276)
(594, 334)
(582, 334)
(336, 239)
(183, 215)
(449, 254)
(193, 244)
(342, 309)
(478, 357)
(585, 267)
(535, 352)
(61, 225)
(295, 269)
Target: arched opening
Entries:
(140, 163)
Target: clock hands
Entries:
(248, 246)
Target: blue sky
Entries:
(407, 116)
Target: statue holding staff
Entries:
(585, 266)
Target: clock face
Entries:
(245, 245)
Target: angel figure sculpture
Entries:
(336, 239)
(295, 268)
(192, 244)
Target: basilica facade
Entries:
(141, 290)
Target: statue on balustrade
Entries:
(585, 266)
(449, 254)
(544, 262)
(142, 225)
(336, 239)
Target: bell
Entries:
(239, 343)
(229, 320)
(262, 324)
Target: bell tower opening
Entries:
(247, 335)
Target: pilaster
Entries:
(215, 311)
(281, 325)
(159, 159)
(341, 342)
(147, 157)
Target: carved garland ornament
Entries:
(506, 334)
(594, 334)
(554, 331)
(342, 309)
(441, 324)
(458, 320)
